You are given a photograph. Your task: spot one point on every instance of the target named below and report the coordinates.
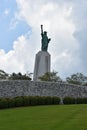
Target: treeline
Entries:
(14, 76)
(78, 78)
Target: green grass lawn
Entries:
(57, 117)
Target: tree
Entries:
(3, 75)
(50, 76)
(19, 76)
(77, 78)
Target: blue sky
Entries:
(8, 34)
(20, 39)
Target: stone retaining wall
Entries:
(30, 88)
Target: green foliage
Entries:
(18, 101)
(69, 100)
(19, 76)
(40, 100)
(77, 78)
(80, 100)
(85, 100)
(33, 101)
(50, 76)
(3, 75)
(56, 100)
(11, 102)
(48, 100)
(43, 100)
(37, 100)
(3, 103)
(28, 101)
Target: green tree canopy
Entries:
(77, 78)
(50, 76)
(19, 76)
(3, 75)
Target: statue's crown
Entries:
(45, 32)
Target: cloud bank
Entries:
(65, 23)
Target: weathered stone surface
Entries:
(31, 88)
(42, 64)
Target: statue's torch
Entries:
(41, 29)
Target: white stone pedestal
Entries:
(42, 64)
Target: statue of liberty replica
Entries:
(45, 40)
(42, 60)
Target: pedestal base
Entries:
(42, 64)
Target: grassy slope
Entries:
(62, 117)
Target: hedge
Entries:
(69, 100)
(18, 101)
(81, 100)
(11, 102)
(3, 103)
(27, 101)
(38, 100)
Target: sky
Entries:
(20, 34)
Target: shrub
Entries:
(48, 100)
(85, 100)
(56, 100)
(39, 100)
(11, 102)
(33, 101)
(69, 100)
(43, 100)
(18, 101)
(80, 100)
(26, 101)
(3, 103)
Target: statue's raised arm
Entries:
(45, 40)
(41, 29)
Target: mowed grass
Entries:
(57, 117)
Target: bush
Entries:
(40, 100)
(26, 101)
(43, 100)
(33, 101)
(85, 100)
(56, 100)
(11, 102)
(48, 100)
(80, 100)
(69, 100)
(18, 101)
(3, 103)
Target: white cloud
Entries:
(58, 22)
(6, 11)
(19, 59)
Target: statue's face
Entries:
(45, 32)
